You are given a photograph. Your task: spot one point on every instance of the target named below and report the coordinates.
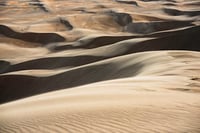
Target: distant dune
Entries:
(121, 66)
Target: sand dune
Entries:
(42, 38)
(116, 66)
(153, 101)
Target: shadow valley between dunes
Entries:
(42, 38)
(181, 38)
(105, 70)
(177, 40)
(71, 78)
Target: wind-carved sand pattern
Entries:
(121, 66)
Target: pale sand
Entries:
(161, 98)
(100, 66)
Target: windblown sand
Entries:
(100, 66)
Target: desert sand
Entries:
(100, 66)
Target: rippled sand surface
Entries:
(100, 66)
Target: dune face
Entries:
(121, 66)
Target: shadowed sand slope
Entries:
(121, 66)
(43, 38)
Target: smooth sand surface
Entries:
(113, 66)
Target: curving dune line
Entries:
(70, 78)
(181, 38)
(151, 27)
(53, 63)
(66, 79)
(94, 42)
(175, 12)
(119, 67)
(178, 41)
(42, 38)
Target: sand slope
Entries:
(100, 66)
(160, 98)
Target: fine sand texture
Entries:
(100, 66)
